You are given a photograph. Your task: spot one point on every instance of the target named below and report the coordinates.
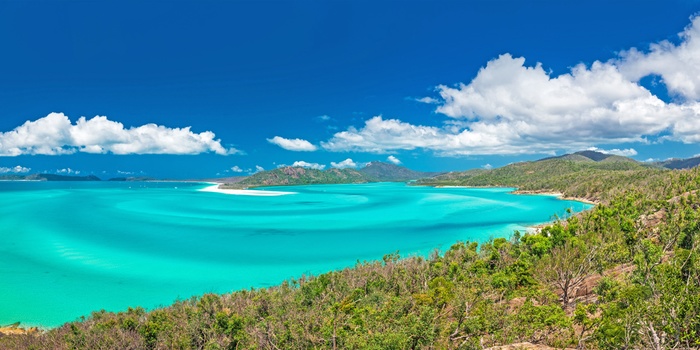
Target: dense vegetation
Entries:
(574, 175)
(373, 172)
(300, 176)
(380, 171)
(625, 274)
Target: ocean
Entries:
(70, 248)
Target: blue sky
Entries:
(204, 89)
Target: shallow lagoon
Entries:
(67, 249)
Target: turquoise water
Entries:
(67, 249)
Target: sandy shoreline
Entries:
(215, 188)
(557, 194)
(546, 193)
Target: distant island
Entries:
(48, 177)
(525, 175)
(372, 172)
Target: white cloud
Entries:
(393, 160)
(428, 100)
(511, 107)
(258, 169)
(293, 144)
(120, 172)
(323, 118)
(16, 169)
(236, 169)
(303, 164)
(55, 134)
(629, 152)
(678, 65)
(348, 163)
(487, 166)
(67, 171)
(516, 105)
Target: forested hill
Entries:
(301, 176)
(587, 175)
(676, 163)
(373, 172)
(380, 171)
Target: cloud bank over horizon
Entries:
(55, 134)
(15, 169)
(512, 108)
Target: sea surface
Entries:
(70, 248)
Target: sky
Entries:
(204, 89)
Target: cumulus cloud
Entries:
(323, 118)
(678, 65)
(393, 160)
(55, 134)
(303, 164)
(67, 171)
(236, 169)
(511, 107)
(487, 166)
(629, 152)
(347, 163)
(293, 144)
(16, 169)
(258, 169)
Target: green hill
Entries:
(380, 171)
(584, 175)
(373, 172)
(300, 176)
(680, 163)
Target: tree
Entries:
(566, 267)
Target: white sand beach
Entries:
(215, 188)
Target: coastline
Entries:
(15, 329)
(215, 189)
(526, 192)
(559, 195)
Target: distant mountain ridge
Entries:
(373, 172)
(49, 177)
(677, 163)
(290, 175)
(595, 156)
(380, 171)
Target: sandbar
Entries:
(216, 189)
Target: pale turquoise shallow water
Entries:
(67, 249)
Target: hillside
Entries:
(373, 172)
(676, 163)
(585, 175)
(300, 176)
(609, 278)
(380, 171)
